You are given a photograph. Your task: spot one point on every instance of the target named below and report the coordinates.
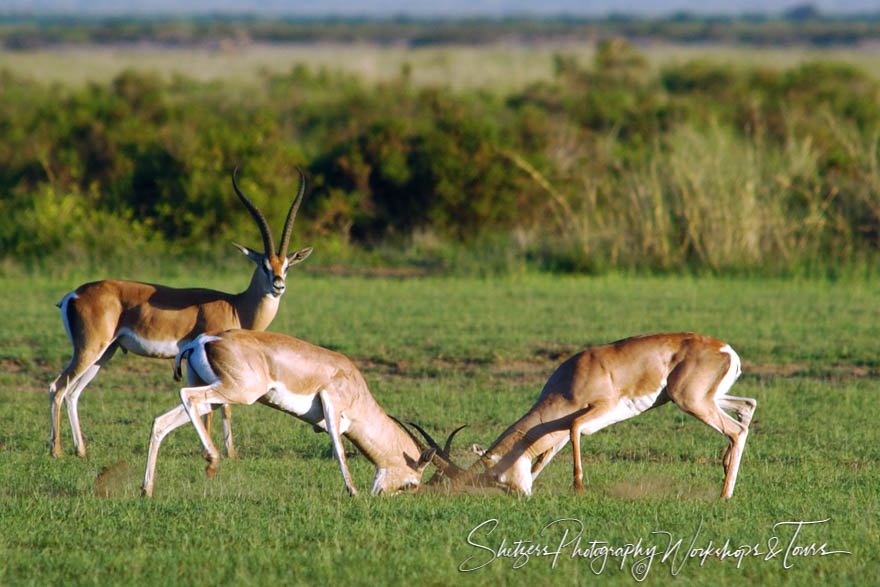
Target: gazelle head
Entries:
(475, 476)
(433, 453)
(397, 479)
(271, 266)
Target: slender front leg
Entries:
(545, 458)
(587, 423)
(333, 420)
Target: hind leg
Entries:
(744, 408)
(229, 447)
(72, 399)
(162, 425)
(81, 369)
(703, 394)
(195, 401)
(708, 412)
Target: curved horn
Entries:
(291, 215)
(419, 444)
(450, 469)
(268, 245)
(441, 459)
(445, 450)
(448, 444)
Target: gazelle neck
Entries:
(256, 308)
(384, 443)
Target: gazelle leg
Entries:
(545, 458)
(68, 380)
(743, 406)
(703, 394)
(333, 421)
(594, 419)
(162, 425)
(737, 434)
(193, 398)
(710, 413)
(72, 398)
(75, 376)
(207, 420)
(227, 432)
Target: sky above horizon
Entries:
(441, 8)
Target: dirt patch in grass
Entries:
(111, 480)
(838, 371)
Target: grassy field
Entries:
(495, 67)
(447, 351)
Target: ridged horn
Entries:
(440, 459)
(291, 215)
(268, 244)
(450, 469)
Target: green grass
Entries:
(445, 351)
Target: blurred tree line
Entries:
(610, 164)
(801, 24)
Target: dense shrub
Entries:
(609, 164)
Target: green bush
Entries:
(699, 166)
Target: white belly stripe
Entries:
(145, 346)
(306, 406)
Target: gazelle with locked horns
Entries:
(607, 384)
(319, 386)
(157, 321)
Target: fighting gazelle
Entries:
(319, 386)
(157, 321)
(607, 384)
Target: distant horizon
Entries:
(440, 9)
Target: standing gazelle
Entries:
(607, 384)
(317, 385)
(157, 321)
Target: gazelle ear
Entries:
(426, 457)
(248, 252)
(299, 256)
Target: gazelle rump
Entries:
(607, 384)
(157, 321)
(319, 386)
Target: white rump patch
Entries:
(732, 374)
(65, 302)
(197, 360)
